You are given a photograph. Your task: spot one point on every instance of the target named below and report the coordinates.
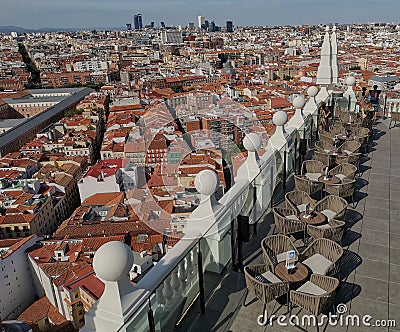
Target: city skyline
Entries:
(243, 13)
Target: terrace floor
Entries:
(370, 270)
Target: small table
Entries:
(300, 274)
(337, 153)
(330, 180)
(317, 218)
(346, 138)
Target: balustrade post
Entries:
(168, 291)
(183, 274)
(190, 268)
(176, 284)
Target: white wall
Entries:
(89, 186)
(17, 289)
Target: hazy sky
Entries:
(115, 13)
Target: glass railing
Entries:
(178, 286)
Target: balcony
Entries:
(199, 284)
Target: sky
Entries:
(116, 13)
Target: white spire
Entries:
(334, 57)
(324, 74)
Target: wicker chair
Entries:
(348, 117)
(322, 157)
(338, 130)
(333, 230)
(344, 189)
(333, 207)
(275, 248)
(344, 170)
(353, 158)
(350, 147)
(316, 295)
(394, 117)
(326, 136)
(362, 132)
(322, 256)
(323, 146)
(297, 201)
(353, 126)
(287, 222)
(264, 284)
(312, 169)
(309, 186)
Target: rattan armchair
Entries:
(394, 117)
(353, 158)
(326, 136)
(323, 146)
(322, 256)
(287, 222)
(333, 207)
(264, 284)
(344, 170)
(316, 295)
(362, 132)
(338, 129)
(274, 249)
(297, 201)
(344, 189)
(350, 147)
(312, 169)
(333, 230)
(353, 126)
(323, 157)
(310, 187)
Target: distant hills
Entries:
(11, 28)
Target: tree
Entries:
(1, 88)
(177, 88)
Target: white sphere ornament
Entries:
(113, 261)
(206, 182)
(312, 91)
(299, 102)
(279, 118)
(252, 142)
(350, 81)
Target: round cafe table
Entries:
(330, 180)
(317, 218)
(346, 138)
(299, 275)
(337, 153)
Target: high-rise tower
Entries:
(137, 22)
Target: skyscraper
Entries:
(137, 21)
(201, 20)
(162, 24)
(229, 26)
(128, 26)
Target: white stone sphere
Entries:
(279, 118)
(299, 102)
(350, 81)
(252, 142)
(206, 182)
(312, 91)
(113, 261)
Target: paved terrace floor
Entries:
(370, 270)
